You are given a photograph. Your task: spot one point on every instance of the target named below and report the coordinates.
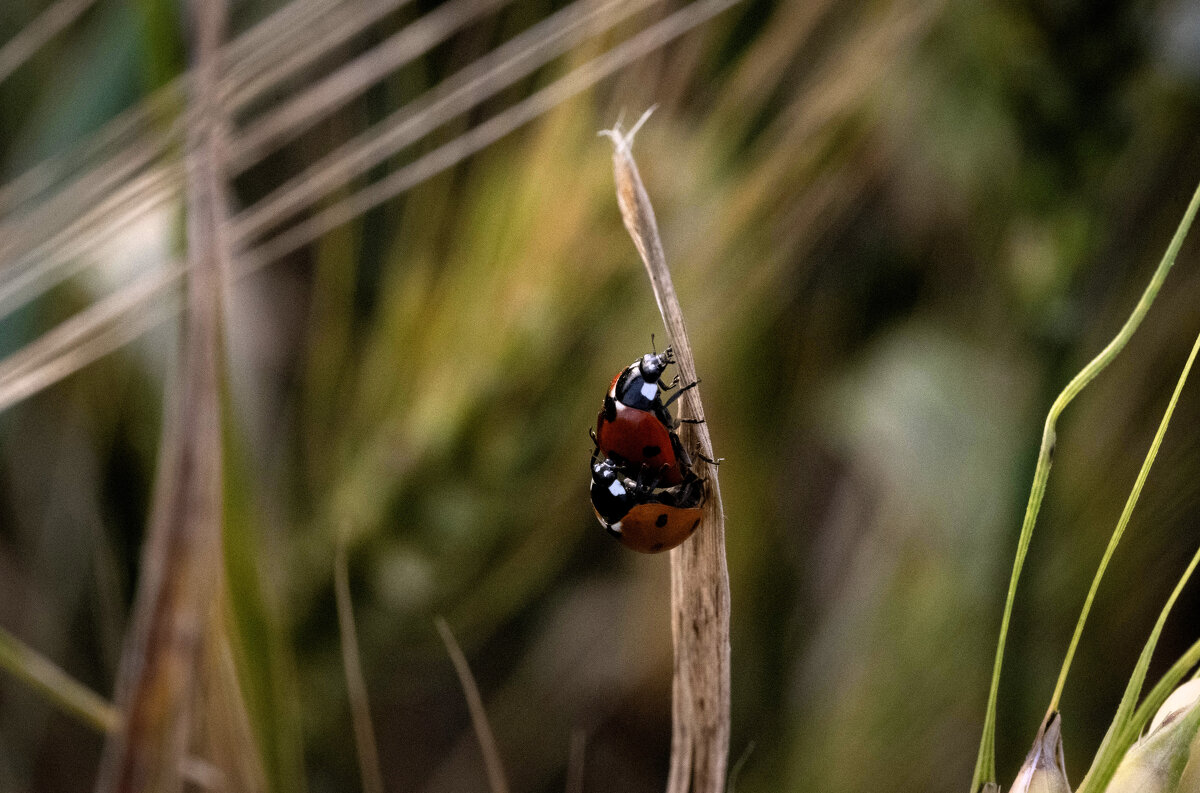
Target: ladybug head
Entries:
(604, 472)
(652, 366)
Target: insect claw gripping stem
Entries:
(679, 393)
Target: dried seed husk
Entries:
(1043, 770)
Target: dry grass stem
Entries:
(157, 682)
(33, 270)
(325, 95)
(51, 682)
(33, 36)
(699, 576)
(483, 731)
(480, 80)
(356, 686)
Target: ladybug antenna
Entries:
(595, 440)
(652, 349)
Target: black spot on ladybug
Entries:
(651, 451)
(694, 525)
(662, 520)
(610, 409)
(658, 546)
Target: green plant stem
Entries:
(985, 764)
(46, 678)
(1122, 523)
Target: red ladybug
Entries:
(635, 428)
(643, 517)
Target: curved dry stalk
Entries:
(356, 686)
(479, 720)
(699, 576)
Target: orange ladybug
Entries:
(643, 517)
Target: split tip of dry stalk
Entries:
(623, 141)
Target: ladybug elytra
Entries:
(643, 489)
(634, 425)
(642, 517)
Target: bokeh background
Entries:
(896, 228)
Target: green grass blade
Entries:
(1122, 523)
(985, 764)
(49, 680)
(266, 667)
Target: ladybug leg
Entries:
(683, 421)
(709, 460)
(641, 476)
(595, 440)
(679, 393)
(680, 453)
(668, 386)
(649, 479)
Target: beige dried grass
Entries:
(699, 575)
(157, 686)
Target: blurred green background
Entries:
(896, 228)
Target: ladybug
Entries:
(635, 427)
(643, 517)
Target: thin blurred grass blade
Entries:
(736, 772)
(356, 686)
(324, 96)
(74, 698)
(985, 764)
(256, 62)
(48, 679)
(576, 757)
(259, 644)
(37, 33)
(483, 730)
(35, 246)
(177, 594)
(55, 365)
(455, 95)
(483, 135)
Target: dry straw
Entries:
(699, 576)
(156, 688)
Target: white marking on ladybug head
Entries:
(616, 527)
(650, 390)
(616, 488)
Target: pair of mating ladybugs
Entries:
(644, 491)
